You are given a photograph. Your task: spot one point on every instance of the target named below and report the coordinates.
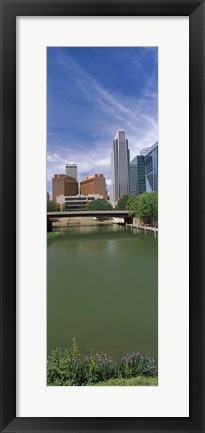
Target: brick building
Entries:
(94, 184)
(64, 185)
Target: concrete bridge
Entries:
(85, 213)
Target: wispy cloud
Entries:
(89, 113)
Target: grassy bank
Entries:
(53, 235)
(69, 368)
(133, 381)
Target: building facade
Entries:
(94, 184)
(120, 159)
(64, 185)
(79, 202)
(143, 171)
(151, 167)
(71, 170)
(137, 175)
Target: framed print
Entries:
(102, 324)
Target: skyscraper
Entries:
(120, 166)
(71, 170)
(143, 171)
(137, 175)
(151, 167)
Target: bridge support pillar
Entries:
(49, 225)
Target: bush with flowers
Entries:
(69, 368)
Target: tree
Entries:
(145, 207)
(155, 208)
(58, 207)
(148, 207)
(52, 206)
(132, 204)
(122, 203)
(99, 204)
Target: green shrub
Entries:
(69, 368)
(135, 364)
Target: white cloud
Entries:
(138, 116)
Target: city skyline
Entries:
(139, 179)
(92, 93)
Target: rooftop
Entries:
(119, 130)
(92, 176)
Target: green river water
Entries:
(102, 289)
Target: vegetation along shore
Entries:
(69, 368)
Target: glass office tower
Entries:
(120, 166)
(151, 167)
(143, 171)
(137, 175)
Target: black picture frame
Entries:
(195, 9)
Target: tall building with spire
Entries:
(120, 159)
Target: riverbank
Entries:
(84, 221)
(133, 381)
(69, 367)
(53, 235)
(143, 227)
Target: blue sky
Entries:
(91, 93)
